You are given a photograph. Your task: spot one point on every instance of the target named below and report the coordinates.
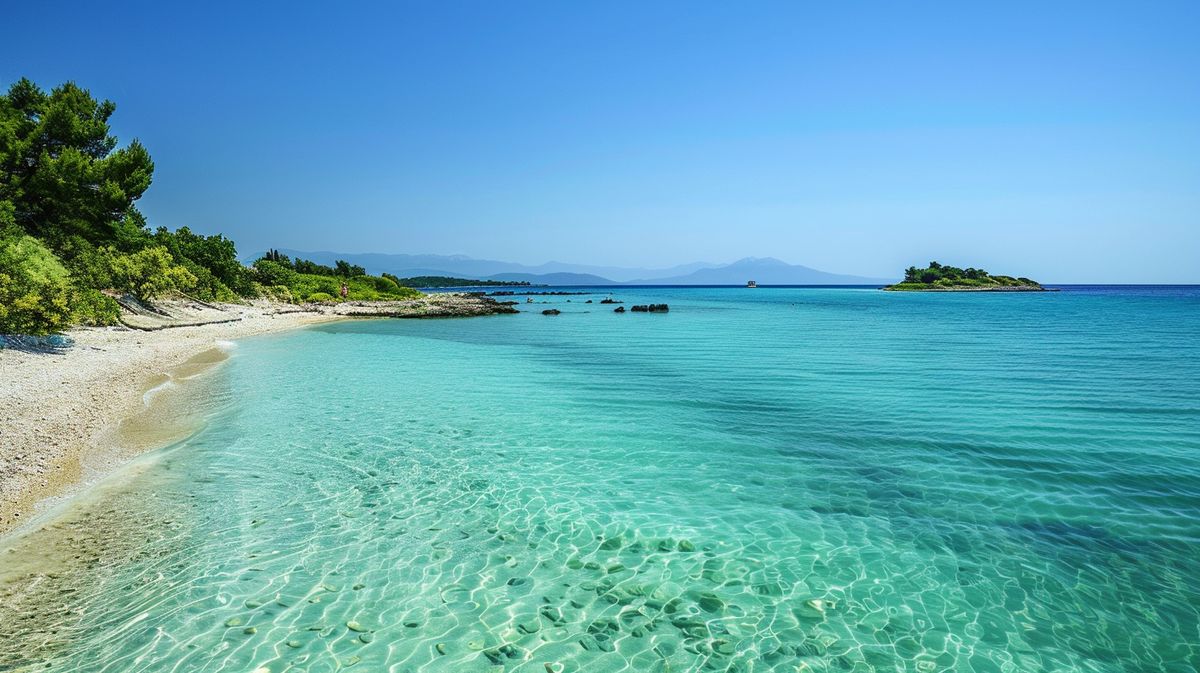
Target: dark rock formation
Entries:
(619, 309)
(651, 308)
(551, 311)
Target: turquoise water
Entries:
(760, 480)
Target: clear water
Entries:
(760, 480)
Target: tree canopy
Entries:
(61, 170)
(942, 276)
(71, 236)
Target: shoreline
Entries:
(1005, 288)
(75, 416)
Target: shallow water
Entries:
(760, 480)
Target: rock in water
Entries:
(619, 309)
(551, 311)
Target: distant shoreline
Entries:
(1011, 288)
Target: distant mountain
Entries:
(763, 270)
(555, 278)
(468, 267)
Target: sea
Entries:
(774, 479)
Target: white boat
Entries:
(751, 284)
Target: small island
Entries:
(941, 278)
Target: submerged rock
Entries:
(551, 311)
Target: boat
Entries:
(751, 284)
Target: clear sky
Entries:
(1055, 140)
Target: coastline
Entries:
(1003, 288)
(77, 415)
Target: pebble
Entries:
(294, 644)
(355, 626)
(250, 630)
(233, 621)
(440, 647)
(366, 637)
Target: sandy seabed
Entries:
(72, 417)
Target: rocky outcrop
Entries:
(650, 308)
(436, 305)
(551, 311)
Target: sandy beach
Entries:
(62, 409)
(58, 407)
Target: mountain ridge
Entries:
(763, 270)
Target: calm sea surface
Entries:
(761, 480)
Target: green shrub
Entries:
(275, 292)
(207, 286)
(34, 287)
(92, 307)
(268, 273)
(319, 297)
(150, 272)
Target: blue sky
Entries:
(1059, 141)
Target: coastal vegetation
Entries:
(72, 238)
(449, 281)
(285, 279)
(941, 277)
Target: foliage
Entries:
(449, 281)
(70, 233)
(92, 307)
(320, 296)
(149, 273)
(61, 170)
(35, 287)
(276, 292)
(938, 275)
(346, 269)
(215, 254)
(268, 272)
(305, 280)
(342, 268)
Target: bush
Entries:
(92, 307)
(207, 286)
(34, 287)
(150, 273)
(215, 254)
(319, 297)
(271, 273)
(276, 292)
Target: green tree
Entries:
(348, 270)
(150, 273)
(215, 254)
(35, 288)
(62, 171)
